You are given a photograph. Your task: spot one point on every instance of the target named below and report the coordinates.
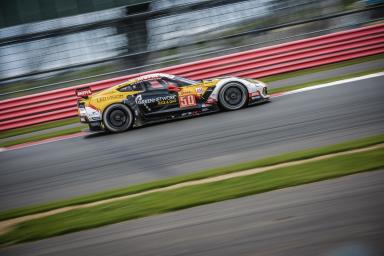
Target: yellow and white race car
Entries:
(158, 97)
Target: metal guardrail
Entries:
(59, 104)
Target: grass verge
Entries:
(299, 155)
(38, 127)
(42, 136)
(186, 197)
(323, 81)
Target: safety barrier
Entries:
(306, 53)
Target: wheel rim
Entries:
(117, 118)
(233, 96)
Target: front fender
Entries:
(250, 86)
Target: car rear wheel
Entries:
(233, 96)
(117, 118)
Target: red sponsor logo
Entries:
(83, 92)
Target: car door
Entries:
(157, 101)
(188, 94)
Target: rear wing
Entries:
(83, 92)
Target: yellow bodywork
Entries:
(101, 100)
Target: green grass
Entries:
(38, 127)
(307, 71)
(323, 81)
(41, 136)
(304, 154)
(181, 198)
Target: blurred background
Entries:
(50, 44)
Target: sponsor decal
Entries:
(187, 101)
(108, 98)
(187, 91)
(255, 95)
(166, 102)
(161, 100)
(83, 92)
(199, 90)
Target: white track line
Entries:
(310, 88)
(319, 86)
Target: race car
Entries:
(158, 97)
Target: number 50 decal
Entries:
(187, 101)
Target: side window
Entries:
(171, 82)
(137, 87)
(176, 82)
(126, 88)
(131, 87)
(155, 85)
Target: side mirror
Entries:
(173, 88)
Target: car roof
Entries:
(144, 78)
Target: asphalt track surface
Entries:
(339, 217)
(83, 165)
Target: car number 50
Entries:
(187, 101)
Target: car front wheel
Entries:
(233, 96)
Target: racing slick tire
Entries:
(233, 96)
(117, 118)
